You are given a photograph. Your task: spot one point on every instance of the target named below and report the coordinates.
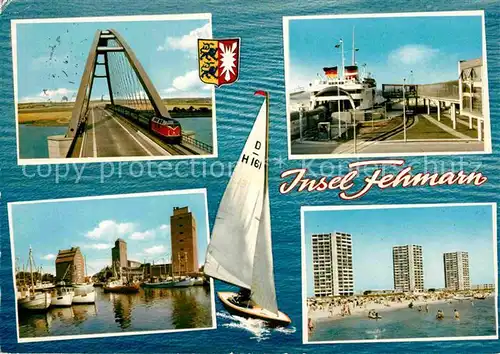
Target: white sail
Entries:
(230, 254)
(263, 288)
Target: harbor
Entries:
(79, 290)
(146, 310)
(368, 99)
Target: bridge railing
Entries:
(448, 89)
(201, 145)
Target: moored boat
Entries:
(184, 283)
(33, 300)
(198, 281)
(159, 285)
(118, 286)
(36, 301)
(83, 294)
(62, 296)
(240, 250)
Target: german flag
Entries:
(331, 72)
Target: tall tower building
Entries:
(184, 242)
(456, 270)
(408, 268)
(70, 266)
(332, 264)
(119, 254)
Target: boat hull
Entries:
(161, 285)
(122, 289)
(256, 312)
(36, 302)
(62, 300)
(184, 283)
(88, 298)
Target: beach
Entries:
(338, 308)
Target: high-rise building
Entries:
(332, 264)
(456, 270)
(119, 254)
(184, 241)
(408, 268)
(70, 266)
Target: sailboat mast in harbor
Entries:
(240, 250)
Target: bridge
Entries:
(462, 97)
(123, 125)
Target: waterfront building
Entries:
(119, 254)
(483, 287)
(162, 270)
(184, 241)
(471, 76)
(408, 268)
(70, 266)
(332, 264)
(456, 270)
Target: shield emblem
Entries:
(219, 61)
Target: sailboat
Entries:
(185, 282)
(120, 286)
(240, 250)
(34, 300)
(84, 293)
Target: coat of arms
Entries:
(218, 60)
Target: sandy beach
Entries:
(359, 306)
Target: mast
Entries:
(31, 270)
(353, 49)
(85, 262)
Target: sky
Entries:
(167, 50)
(94, 225)
(437, 229)
(390, 47)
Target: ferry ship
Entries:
(337, 95)
(342, 93)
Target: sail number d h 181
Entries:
(255, 159)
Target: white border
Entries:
(486, 107)
(117, 334)
(39, 161)
(305, 330)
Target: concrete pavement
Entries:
(109, 135)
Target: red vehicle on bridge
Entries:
(169, 129)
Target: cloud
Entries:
(187, 42)
(110, 230)
(96, 265)
(48, 257)
(161, 230)
(155, 250)
(53, 95)
(188, 85)
(98, 246)
(411, 54)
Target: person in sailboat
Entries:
(243, 298)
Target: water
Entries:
(148, 310)
(33, 140)
(477, 318)
(260, 28)
(202, 126)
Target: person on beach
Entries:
(310, 325)
(440, 315)
(426, 307)
(457, 314)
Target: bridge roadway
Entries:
(110, 135)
